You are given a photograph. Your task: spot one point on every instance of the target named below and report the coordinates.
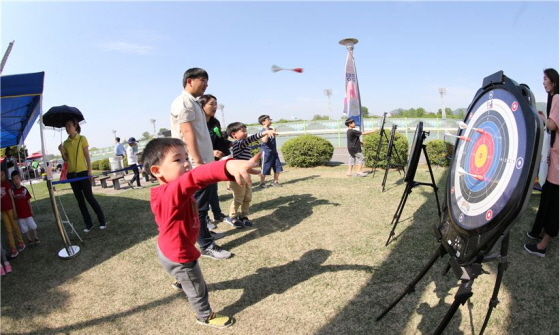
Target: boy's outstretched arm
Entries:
(241, 169)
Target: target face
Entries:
(489, 160)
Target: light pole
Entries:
(328, 93)
(442, 93)
(353, 103)
(153, 122)
(114, 133)
(221, 107)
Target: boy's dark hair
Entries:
(194, 73)
(262, 118)
(348, 121)
(118, 139)
(15, 173)
(156, 149)
(233, 127)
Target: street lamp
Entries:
(221, 107)
(153, 122)
(442, 92)
(114, 133)
(328, 93)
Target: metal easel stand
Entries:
(69, 251)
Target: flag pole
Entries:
(349, 44)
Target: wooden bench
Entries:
(103, 181)
(93, 182)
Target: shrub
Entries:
(371, 143)
(307, 151)
(104, 165)
(439, 152)
(95, 165)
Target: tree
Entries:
(365, 111)
(319, 117)
(146, 136)
(161, 130)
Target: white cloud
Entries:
(126, 47)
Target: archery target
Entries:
(488, 161)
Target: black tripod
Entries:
(467, 274)
(390, 149)
(409, 186)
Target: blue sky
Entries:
(121, 63)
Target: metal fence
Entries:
(335, 131)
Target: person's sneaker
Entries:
(7, 267)
(216, 321)
(130, 184)
(20, 246)
(219, 217)
(234, 222)
(275, 184)
(215, 252)
(37, 242)
(177, 286)
(534, 250)
(210, 225)
(246, 221)
(103, 226)
(532, 237)
(88, 229)
(14, 253)
(216, 235)
(263, 185)
(30, 244)
(362, 174)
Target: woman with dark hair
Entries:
(546, 223)
(75, 152)
(220, 145)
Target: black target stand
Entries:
(390, 149)
(466, 274)
(410, 183)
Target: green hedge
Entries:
(439, 152)
(370, 146)
(307, 151)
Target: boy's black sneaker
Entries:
(534, 250)
(246, 221)
(234, 222)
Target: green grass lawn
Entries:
(315, 262)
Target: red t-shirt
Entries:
(21, 200)
(176, 212)
(6, 201)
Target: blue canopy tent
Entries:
(21, 105)
(21, 96)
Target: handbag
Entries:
(545, 153)
(64, 172)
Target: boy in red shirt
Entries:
(9, 219)
(23, 210)
(176, 214)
